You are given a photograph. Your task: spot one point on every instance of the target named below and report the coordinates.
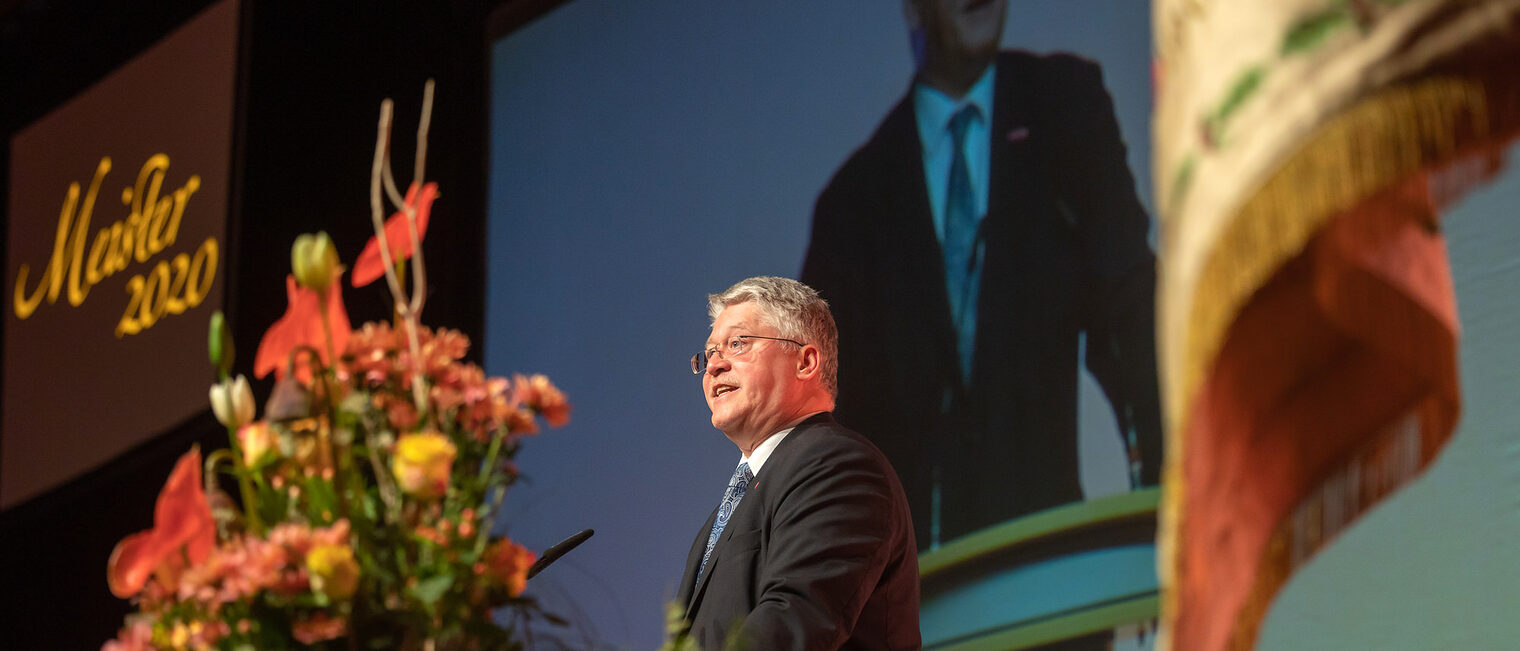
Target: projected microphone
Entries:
(553, 553)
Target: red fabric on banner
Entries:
(1354, 336)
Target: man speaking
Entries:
(811, 546)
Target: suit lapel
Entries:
(686, 595)
(712, 561)
(1014, 192)
(913, 247)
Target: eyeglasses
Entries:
(736, 347)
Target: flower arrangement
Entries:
(367, 489)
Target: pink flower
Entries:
(318, 628)
(520, 421)
(540, 394)
(369, 357)
(234, 571)
(299, 539)
(137, 636)
(402, 413)
(441, 349)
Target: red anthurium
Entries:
(181, 521)
(370, 266)
(302, 326)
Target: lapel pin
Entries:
(1018, 135)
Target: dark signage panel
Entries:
(115, 258)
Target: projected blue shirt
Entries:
(933, 110)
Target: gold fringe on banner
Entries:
(1366, 149)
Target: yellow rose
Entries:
(333, 571)
(507, 563)
(422, 464)
(258, 441)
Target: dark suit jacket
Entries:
(1066, 254)
(818, 555)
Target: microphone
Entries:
(553, 553)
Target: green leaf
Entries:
(370, 507)
(219, 343)
(323, 500)
(428, 591)
(273, 504)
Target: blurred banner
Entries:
(1307, 322)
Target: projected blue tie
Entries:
(736, 487)
(963, 270)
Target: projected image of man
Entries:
(987, 226)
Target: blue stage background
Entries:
(645, 154)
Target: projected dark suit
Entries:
(1065, 254)
(819, 550)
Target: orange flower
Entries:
(319, 628)
(301, 326)
(520, 421)
(370, 266)
(540, 394)
(181, 520)
(507, 563)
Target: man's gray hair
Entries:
(794, 310)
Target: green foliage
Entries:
(429, 591)
(678, 633)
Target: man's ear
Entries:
(810, 363)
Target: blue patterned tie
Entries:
(963, 271)
(736, 487)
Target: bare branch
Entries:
(409, 312)
(422, 132)
(378, 172)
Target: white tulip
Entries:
(232, 402)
